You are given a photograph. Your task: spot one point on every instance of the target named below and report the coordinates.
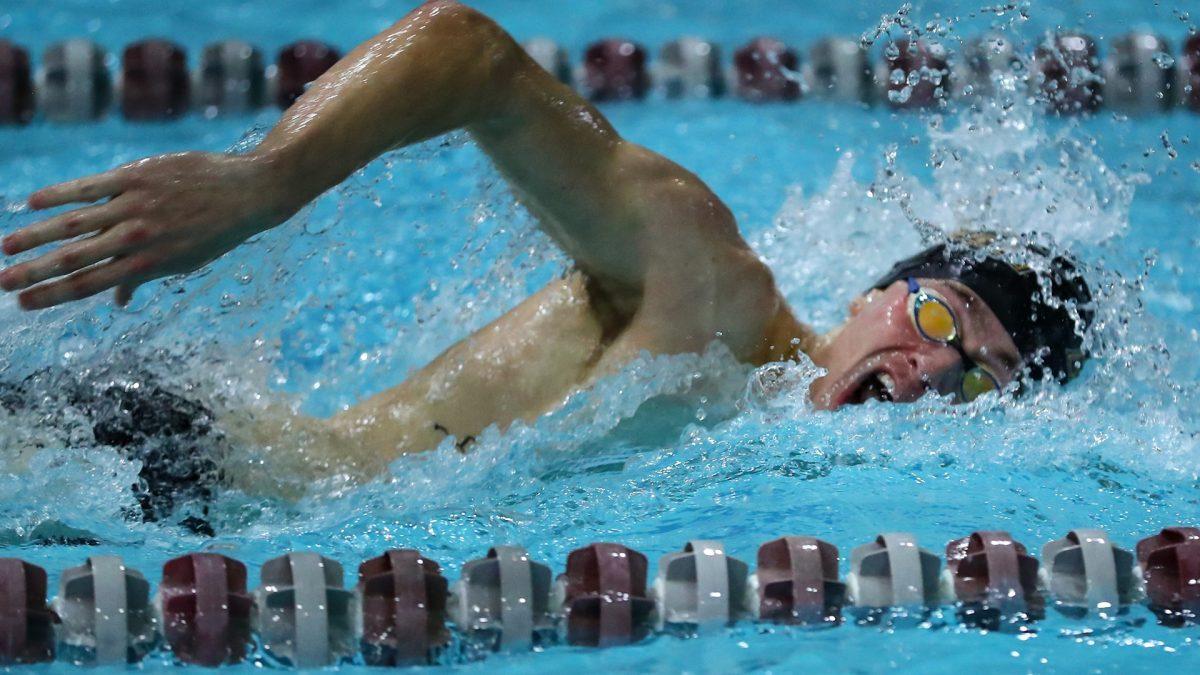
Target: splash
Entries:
(421, 248)
(996, 166)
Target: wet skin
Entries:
(881, 338)
(659, 264)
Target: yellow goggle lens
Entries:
(935, 320)
(976, 383)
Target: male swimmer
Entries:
(659, 265)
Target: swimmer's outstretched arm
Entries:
(622, 212)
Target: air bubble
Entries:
(1163, 60)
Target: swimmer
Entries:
(659, 264)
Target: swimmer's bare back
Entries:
(660, 264)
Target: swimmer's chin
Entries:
(853, 389)
(825, 394)
(820, 398)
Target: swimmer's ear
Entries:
(859, 303)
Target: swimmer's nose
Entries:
(930, 367)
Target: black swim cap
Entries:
(132, 411)
(1045, 329)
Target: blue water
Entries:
(424, 246)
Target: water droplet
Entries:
(900, 95)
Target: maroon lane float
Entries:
(26, 622)
(16, 85)
(297, 65)
(766, 69)
(1190, 73)
(155, 84)
(206, 609)
(995, 579)
(798, 582)
(604, 596)
(1068, 69)
(615, 70)
(403, 597)
(915, 73)
(1170, 562)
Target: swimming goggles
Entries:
(935, 321)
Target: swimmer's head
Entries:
(1019, 312)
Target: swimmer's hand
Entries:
(163, 215)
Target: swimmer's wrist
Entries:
(287, 180)
(275, 184)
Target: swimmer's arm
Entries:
(443, 67)
(609, 204)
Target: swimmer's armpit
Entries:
(461, 445)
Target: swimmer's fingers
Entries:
(87, 189)
(87, 282)
(75, 256)
(123, 295)
(65, 226)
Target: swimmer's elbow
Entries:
(482, 46)
(464, 25)
(446, 8)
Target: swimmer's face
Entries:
(879, 354)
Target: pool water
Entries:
(425, 245)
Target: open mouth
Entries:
(872, 379)
(877, 386)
